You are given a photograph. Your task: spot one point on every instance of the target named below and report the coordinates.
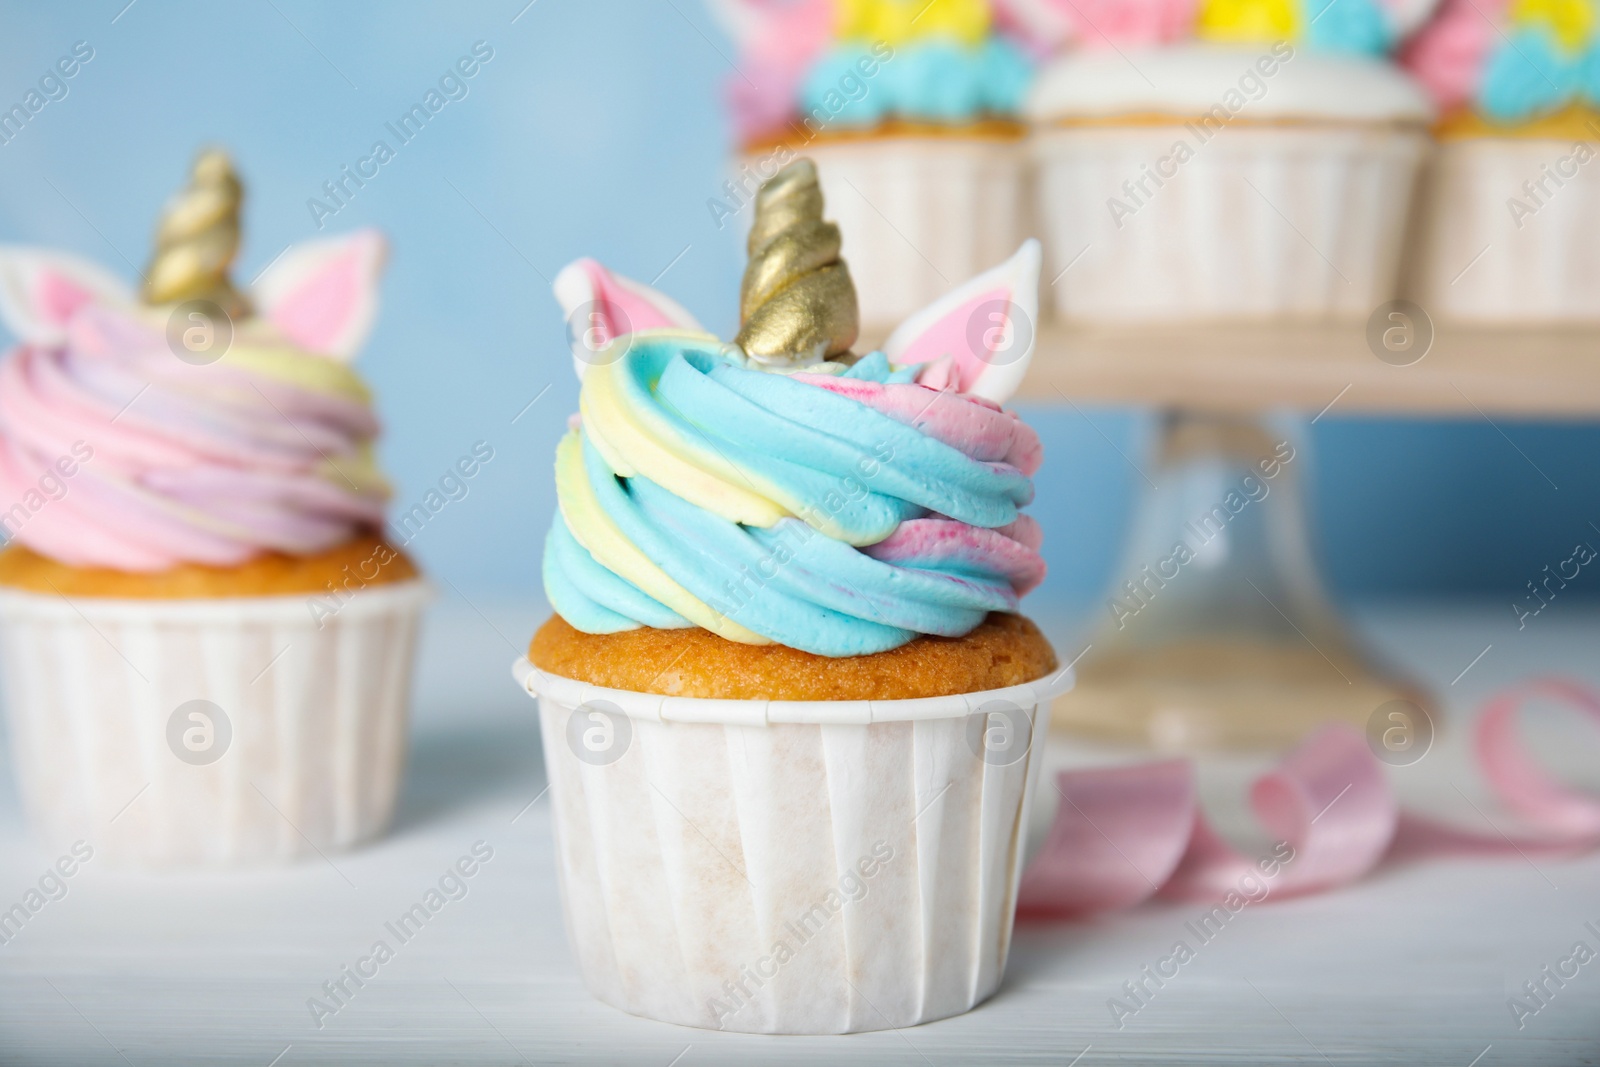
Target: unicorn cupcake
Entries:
(1225, 159)
(911, 109)
(1511, 197)
(207, 640)
(788, 706)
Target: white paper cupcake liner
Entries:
(790, 867)
(920, 215)
(1489, 249)
(1260, 222)
(296, 748)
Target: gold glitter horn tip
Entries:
(198, 238)
(797, 303)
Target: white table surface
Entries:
(1412, 966)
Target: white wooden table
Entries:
(1413, 966)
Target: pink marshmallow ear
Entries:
(41, 290)
(1044, 24)
(773, 25)
(323, 295)
(741, 19)
(600, 306)
(1406, 15)
(778, 41)
(977, 339)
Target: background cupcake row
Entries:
(1192, 161)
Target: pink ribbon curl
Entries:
(1123, 835)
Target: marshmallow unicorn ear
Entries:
(1406, 15)
(1045, 24)
(323, 294)
(778, 42)
(41, 290)
(600, 306)
(772, 26)
(741, 19)
(978, 339)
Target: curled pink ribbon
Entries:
(1125, 834)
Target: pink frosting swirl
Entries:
(779, 41)
(1448, 55)
(981, 429)
(1114, 23)
(115, 453)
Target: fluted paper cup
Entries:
(920, 215)
(1507, 232)
(227, 731)
(1256, 222)
(790, 867)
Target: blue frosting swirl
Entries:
(1356, 27)
(932, 80)
(628, 550)
(1526, 76)
(1531, 74)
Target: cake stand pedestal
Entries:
(1217, 631)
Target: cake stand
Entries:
(1217, 631)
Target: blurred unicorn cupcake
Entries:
(1225, 159)
(207, 641)
(1512, 197)
(911, 109)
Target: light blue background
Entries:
(596, 130)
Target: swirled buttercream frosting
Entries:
(814, 66)
(269, 448)
(1511, 62)
(142, 437)
(834, 504)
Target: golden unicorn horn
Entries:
(797, 303)
(198, 238)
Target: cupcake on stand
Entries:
(911, 110)
(1231, 159)
(1511, 199)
